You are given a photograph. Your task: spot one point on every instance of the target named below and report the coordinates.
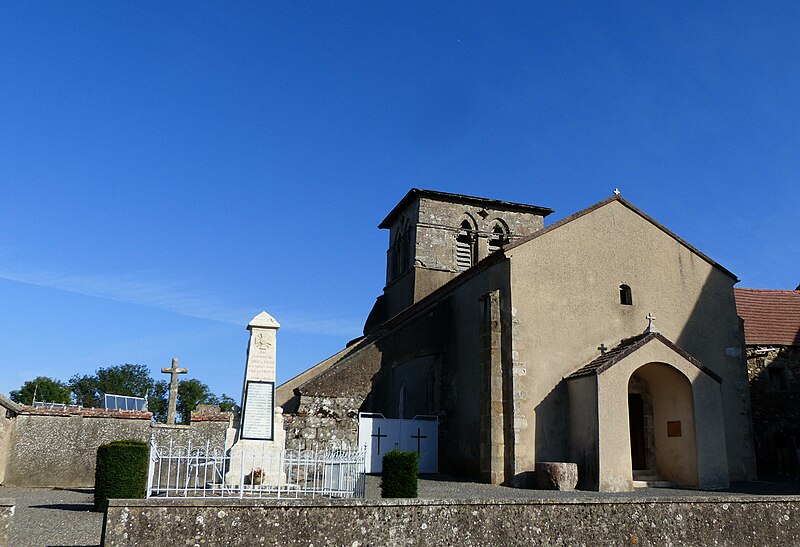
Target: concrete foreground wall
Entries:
(728, 520)
(6, 514)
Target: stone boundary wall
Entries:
(719, 520)
(6, 516)
(58, 448)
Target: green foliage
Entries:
(127, 379)
(226, 403)
(120, 472)
(400, 473)
(190, 394)
(45, 389)
(84, 391)
(158, 399)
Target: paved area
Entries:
(64, 518)
(444, 487)
(53, 517)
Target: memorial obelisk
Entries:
(259, 432)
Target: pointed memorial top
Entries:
(263, 321)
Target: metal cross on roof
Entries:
(602, 348)
(651, 319)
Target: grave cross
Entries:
(379, 436)
(602, 348)
(173, 371)
(651, 319)
(419, 436)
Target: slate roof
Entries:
(771, 317)
(627, 347)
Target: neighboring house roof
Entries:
(630, 206)
(461, 198)
(771, 317)
(630, 345)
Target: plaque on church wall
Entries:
(258, 411)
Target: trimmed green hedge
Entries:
(121, 472)
(399, 477)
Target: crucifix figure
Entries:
(419, 436)
(173, 371)
(379, 437)
(651, 319)
(602, 348)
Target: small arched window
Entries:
(625, 295)
(498, 237)
(465, 246)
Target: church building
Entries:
(602, 339)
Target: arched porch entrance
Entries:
(662, 425)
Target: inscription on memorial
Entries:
(261, 365)
(258, 411)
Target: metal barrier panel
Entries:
(378, 435)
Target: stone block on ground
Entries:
(556, 475)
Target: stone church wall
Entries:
(774, 375)
(57, 448)
(323, 422)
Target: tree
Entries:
(43, 389)
(226, 403)
(190, 394)
(127, 379)
(157, 400)
(84, 391)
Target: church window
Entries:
(465, 246)
(498, 237)
(625, 295)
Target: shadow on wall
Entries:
(713, 335)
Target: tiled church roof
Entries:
(770, 316)
(630, 345)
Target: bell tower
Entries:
(434, 236)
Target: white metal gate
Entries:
(378, 435)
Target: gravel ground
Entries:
(63, 517)
(53, 517)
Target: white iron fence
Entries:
(192, 472)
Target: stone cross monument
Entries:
(259, 435)
(173, 371)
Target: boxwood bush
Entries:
(399, 477)
(121, 471)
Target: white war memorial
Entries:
(255, 443)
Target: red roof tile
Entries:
(770, 316)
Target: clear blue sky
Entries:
(170, 169)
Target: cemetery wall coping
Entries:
(86, 412)
(606, 520)
(211, 416)
(599, 500)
